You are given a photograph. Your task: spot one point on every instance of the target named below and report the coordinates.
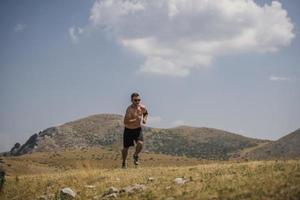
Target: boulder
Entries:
(111, 190)
(15, 149)
(67, 194)
(179, 181)
(134, 188)
(151, 179)
(111, 196)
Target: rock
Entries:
(67, 193)
(179, 181)
(32, 143)
(151, 179)
(15, 149)
(90, 186)
(134, 188)
(48, 132)
(112, 192)
(111, 196)
(25, 148)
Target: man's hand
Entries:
(137, 118)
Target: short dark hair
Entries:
(134, 95)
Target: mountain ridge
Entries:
(105, 130)
(286, 147)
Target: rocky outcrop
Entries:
(29, 145)
(25, 148)
(32, 143)
(15, 149)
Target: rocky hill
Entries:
(287, 147)
(105, 130)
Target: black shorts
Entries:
(131, 135)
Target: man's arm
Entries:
(145, 115)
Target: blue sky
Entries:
(232, 66)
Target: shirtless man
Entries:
(135, 113)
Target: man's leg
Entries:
(124, 155)
(138, 149)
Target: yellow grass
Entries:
(92, 158)
(226, 180)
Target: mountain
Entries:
(205, 143)
(287, 147)
(105, 130)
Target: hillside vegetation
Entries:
(287, 147)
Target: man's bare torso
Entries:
(134, 112)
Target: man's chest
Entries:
(136, 111)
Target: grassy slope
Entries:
(205, 143)
(252, 180)
(36, 174)
(92, 158)
(286, 147)
(242, 154)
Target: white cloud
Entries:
(20, 27)
(176, 36)
(279, 78)
(158, 65)
(74, 33)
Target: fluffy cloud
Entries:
(176, 36)
(74, 32)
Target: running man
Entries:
(135, 113)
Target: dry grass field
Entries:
(91, 158)
(90, 173)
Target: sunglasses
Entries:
(136, 100)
